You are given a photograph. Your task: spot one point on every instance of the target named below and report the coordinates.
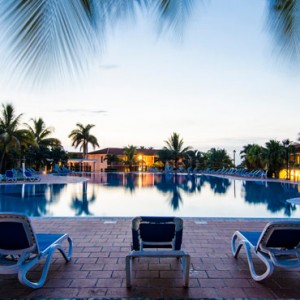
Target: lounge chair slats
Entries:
(160, 233)
(278, 245)
(21, 249)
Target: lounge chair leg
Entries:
(268, 264)
(236, 249)
(186, 261)
(22, 274)
(128, 270)
(66, 256)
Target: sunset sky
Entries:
(221, 84)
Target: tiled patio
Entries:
(97, 269)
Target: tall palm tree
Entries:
(289, 148)
(275, 155)
(130, 156)
(175, 148)
(218, 158)
(253, 157)
(49, 35)
(284, 24)
(10, 133)
(41, 133)
(81, 137)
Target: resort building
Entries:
(113, 160)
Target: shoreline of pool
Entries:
(80, 177)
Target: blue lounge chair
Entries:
(10, 176)
(277, 245)
(28, 176)
(21, 249)
(157, 232)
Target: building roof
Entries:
(120, 151)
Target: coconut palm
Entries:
(218, 158)
(284, 25)
(81, 137)
(49, 35)
(175, 148)
(275, 155)
(289, 148)
(10, 133)
(253, 157)
(41, 133)
(130, 156)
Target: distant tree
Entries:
(10, 133)
(164, 156)
(41, 133)
(175, 148)
(218, 158)
(193, 159)
(253, 157)
(81, 137)
(275, 155)
(288, 148)
(130, 156)
(111, 158)
(40, 154)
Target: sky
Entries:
(221, 83)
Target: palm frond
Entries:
(284, 23)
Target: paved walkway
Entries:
(97, 269)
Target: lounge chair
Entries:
(21, 249)
(10, 176)
(277, 245)
(157, 232)
(28, 176)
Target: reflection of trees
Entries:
(30, 199)
(172, 185)
(273, 194)
(217, 184)
(81, 203)
(131, 181)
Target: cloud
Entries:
(108, 67)
(86, 111)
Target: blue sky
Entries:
(222, 84)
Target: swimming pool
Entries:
(132, 194)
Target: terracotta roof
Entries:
(119, 151)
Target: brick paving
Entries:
(97, 268)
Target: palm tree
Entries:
(130, 159)
(10, 134)
(81, 137)
(289, 148)
(274, 155)
(284, 24)
(218, 158)
(57, 36)
(175, 148)
(48, 36)
(41, 133)
(253, 157)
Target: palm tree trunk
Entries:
(2, 157)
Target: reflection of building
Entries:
(112, 159)
(293, 172)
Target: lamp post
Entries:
(234, 157)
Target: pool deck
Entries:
(97, 268)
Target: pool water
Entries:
(132, 194)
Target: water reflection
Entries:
(217, 184)
(273, 194)
(30, 199)
(80, 203)
(182, 193)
